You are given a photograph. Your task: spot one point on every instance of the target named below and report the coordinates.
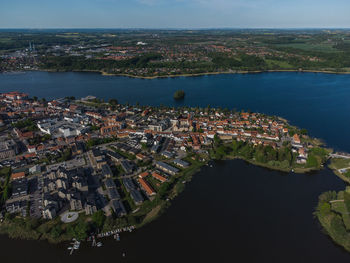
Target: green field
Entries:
(281, 64)
(339, 163)
(320, 47)
(340, 208)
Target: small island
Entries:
(84, 166)
(179, 95)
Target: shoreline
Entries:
(152, 215)
(103, 73)
(158, 210)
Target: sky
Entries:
(174, 13)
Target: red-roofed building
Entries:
(16, 176)
(296, 138)
(145, 185)
(143, 175)
(159, 177)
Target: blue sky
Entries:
(174, 13)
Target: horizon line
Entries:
(173, 28)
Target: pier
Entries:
(116, 231)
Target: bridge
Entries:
(338, 155)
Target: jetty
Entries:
(116, 231)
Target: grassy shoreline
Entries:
(333, 214)
(23, 228)
(103, 73)
(18, 230)
(333, 208)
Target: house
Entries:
(113, 194)
(128, 184)
(19, 187)
(14, 207)
(49, 212)
(118, 208)
(31, 148)
(181, 163)
(136, 197)
(106, 171)
(97, 158)
(145, 186)
(160, 126)
(35, 169)
(115, 157)
(302, 152)
(90, 205)
(167, 154)
(76, 202)
(296, 139)
(143, 175)
(109, 183)
(155, 148)
(127, 166)
(159, 177)
(167, 168)
(16, 176)
(140, 157)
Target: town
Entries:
(160, 53)
(70, 157)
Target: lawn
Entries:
(339, 207)
(281, 64)
(339, 163)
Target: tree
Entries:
(56, 231)
(312, 161)
(179, 95)
(303, 131)
(70, 98)
(99, 218)
(80, 231)
(113, 102)
(67, 154)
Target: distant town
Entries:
(157, 53)
(71, 167)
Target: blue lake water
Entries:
(315, 101)
(231, 212)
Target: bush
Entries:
(99, 218)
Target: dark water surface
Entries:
(232, 212)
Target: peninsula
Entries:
(72, 168)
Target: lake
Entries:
(233, 211)
(230, 212)
(315, 101)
